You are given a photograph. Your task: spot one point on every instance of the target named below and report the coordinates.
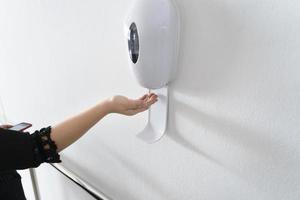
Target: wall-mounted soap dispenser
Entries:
(152, 36)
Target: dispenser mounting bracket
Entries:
(157, 117)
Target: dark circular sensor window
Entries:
(133, 43)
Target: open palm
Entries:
(126, 106)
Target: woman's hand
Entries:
(6, 126)
(71, 129)
(129, 107)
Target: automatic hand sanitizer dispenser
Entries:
(152, 36)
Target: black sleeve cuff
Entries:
(45, 149)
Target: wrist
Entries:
(107, 106)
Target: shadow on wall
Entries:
(263, 158)
(70, 164)
(178, 137)
(210, 43)
(132, 168)
(209, 40)
(236, 134)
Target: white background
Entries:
(235, 105)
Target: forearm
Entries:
(68, 131)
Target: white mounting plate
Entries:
(157, 117)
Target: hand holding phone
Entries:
(21, 126)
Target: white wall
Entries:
(235, 106)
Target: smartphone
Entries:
(21, 127)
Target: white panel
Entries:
(235, 106)
(27, 184)
(61, 188)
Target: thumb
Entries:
(6, 126)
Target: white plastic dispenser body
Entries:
(152, 37)
(152, 32)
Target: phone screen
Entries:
(20, 127)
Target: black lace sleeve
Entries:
(21, 150)
(45, 149)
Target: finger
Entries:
(151, 102)
(151, 95)
(152, 98)
(144, 101)
(143, 97)
(6, 126)
(145, 107)
(135, 104)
